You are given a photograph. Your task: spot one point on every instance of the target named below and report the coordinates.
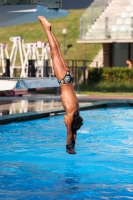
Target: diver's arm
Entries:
(68, 119)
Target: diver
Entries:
(72, 119)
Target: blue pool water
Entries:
(34, 164)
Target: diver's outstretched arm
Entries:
(70, 141)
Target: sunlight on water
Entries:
(34, 164)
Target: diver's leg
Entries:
(58, 46)
(58, 65)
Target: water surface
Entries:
(34, 164)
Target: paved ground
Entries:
(81, 98)
(105, 97)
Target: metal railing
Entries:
(110, 19)
(54, 4)
(79, 68)
(91, 14)
(110, 28)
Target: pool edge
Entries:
(47, 113)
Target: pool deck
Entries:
(31, 106)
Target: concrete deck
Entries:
(31, 107)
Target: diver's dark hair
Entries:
(77, 122)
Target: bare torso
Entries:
(69, 99)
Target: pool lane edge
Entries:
(5, 119)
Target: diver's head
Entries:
(77, 122)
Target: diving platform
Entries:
(27, 83)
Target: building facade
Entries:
(109, 23)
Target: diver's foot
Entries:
(44, 22)
(70, 149)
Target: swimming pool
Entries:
(34, 164)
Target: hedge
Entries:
(111, 79)
(110, 75)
